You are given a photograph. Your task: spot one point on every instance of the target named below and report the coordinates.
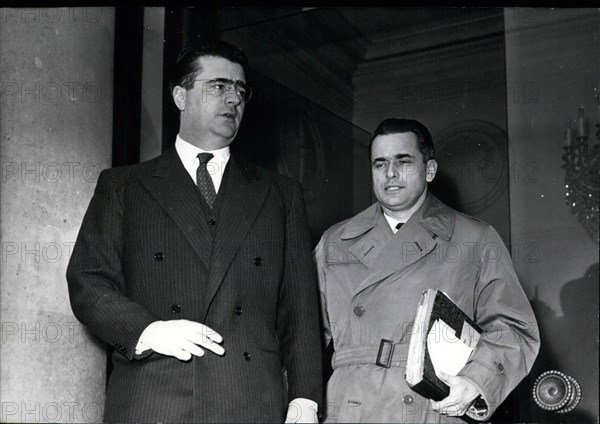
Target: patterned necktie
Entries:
(204, 181)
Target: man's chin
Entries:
(228, 131)
(395, 203)
(227, 135)
(393, 199)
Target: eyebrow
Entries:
(227, 81)
(398, 156)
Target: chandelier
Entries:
(582, 175)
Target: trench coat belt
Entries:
(368, 354)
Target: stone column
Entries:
(56, 130)
(152, 83)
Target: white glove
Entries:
(180, 338)
(302, 410)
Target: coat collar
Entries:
(385, 253)
(438, 218)
(168, 164)
(433, 215)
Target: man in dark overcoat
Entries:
(196, 268)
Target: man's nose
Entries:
(232, 98)
(391, 171)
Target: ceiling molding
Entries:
(533, 28)
(451, 57)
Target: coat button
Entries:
(407, 399)
(159, 256)
(258, 261)
(359, 311)
(212, 221)
(176, 308)
(247, 356)
(238, 310)
(499, 367)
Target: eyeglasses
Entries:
(220, 86)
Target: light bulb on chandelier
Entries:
(582, 175)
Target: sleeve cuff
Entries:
(141, 350)
(302, 410)
(479, 410)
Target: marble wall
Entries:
(56, 131)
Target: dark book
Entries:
(433, 307)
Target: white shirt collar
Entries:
(407, 215)
(188, 153)
(391, 221)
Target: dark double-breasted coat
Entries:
(147, 251)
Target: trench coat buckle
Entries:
(386, 352)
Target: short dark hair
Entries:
(397, 125)
(187, 67)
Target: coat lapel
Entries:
(394, 254)
(378, 233)
(247, 189)
(405, 248)
(176, 193)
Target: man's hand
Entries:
(302, 410)
(462, 393)
(180, 338)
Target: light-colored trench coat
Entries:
(371, 281)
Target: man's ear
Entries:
(179, 94)
(431, 170)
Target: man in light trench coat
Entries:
(373, 269)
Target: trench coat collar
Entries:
(387, 253)
(437, 217)
(432, 215)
